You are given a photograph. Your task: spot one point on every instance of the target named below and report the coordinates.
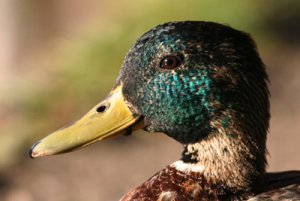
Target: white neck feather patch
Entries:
(188, 167)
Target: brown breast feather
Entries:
(172, 185)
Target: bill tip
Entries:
(32, 153)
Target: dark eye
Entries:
(170, 62)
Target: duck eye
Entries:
(170, 62)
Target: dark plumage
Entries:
(170, 183)
(204, 85)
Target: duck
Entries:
(203, 84)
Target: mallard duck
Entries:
(203, 84)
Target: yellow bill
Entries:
(110, 117)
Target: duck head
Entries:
(198, 82)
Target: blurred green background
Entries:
(58, 58)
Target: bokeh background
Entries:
(58, 58)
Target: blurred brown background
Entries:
(58, 58)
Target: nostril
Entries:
(101, 108)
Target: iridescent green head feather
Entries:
(220, 79)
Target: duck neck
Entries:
(229, 157)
